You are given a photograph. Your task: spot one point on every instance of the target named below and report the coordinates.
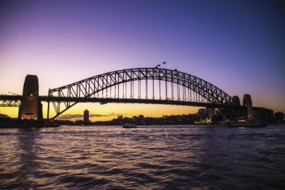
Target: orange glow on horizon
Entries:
(108, 112)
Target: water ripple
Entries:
(168, 157)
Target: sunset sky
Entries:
(238, 46)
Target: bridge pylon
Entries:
(30, 108)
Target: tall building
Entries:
(86, 117)
(30, 106)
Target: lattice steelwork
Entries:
(140, 84)
(10, 103)
(10, 100)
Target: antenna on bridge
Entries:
(164, 63)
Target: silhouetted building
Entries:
(86, 117)
(30, 106)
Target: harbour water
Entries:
(147, 157)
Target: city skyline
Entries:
(237, 46)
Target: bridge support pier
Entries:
(247, 102)
(31, 107)
(48, 111)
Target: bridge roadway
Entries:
(115, 100)
(15, 101)
(18, 98)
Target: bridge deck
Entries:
(118, 100)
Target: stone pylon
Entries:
(247, 102)
(30, 105)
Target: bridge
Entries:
(136, 85)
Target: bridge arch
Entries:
(87, 88)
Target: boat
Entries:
(129, 125)
(247, 123)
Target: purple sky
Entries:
(238, 46)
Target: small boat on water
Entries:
(129, 125)
(247, 123)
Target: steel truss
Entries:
(10, 103)
(93, 86)
(10, 100)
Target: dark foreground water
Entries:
(152, 157)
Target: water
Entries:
(151, 157)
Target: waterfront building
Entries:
(86, 117)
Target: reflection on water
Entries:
(27, 164)
(152, 157)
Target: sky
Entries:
(237, 45)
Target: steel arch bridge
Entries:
(139, 85)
